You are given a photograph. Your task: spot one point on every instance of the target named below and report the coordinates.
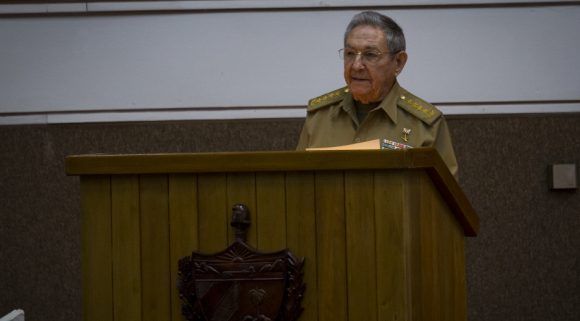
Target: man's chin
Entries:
(363, 97)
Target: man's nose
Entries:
(358, 63)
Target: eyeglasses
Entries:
(370, 56)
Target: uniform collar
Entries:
(347, 105)
(389, 104)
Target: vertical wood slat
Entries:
(155, 265)
(126, 252)
(414, 268)
(270, 211)
(445, 258)
(96, 248)
(301, 234)
(391, 247)
(183, 229)
(437, 220)
(331, 247)
(427, 259)
(213, 214)
(460, 288)
(360, 245)
(241, 188)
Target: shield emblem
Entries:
(240, 283)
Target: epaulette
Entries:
(327, 99)
(418, 107)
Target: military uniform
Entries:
(401, 117)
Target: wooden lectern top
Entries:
(412, 159)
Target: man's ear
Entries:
(401, 60)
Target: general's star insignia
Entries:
(406, 133)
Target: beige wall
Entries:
(191, 65)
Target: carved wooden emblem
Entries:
(239, 283)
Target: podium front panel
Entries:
(382, 233)
(379, 244)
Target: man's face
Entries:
(371, 82)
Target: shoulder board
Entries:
(327, 99)
(418, 107)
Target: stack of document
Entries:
(371, 144)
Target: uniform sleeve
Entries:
(445, 148)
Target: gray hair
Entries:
(393, 32)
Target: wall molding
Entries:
(144, 115)
(15, 7)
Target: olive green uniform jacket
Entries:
(332, 121)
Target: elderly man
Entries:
(373, 105)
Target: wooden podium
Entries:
(382, 231)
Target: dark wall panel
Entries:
(523, 266)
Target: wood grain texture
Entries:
(460, 288)
(429, 300)
(380, 244)
(271, 211)
(96, 260)
(183, 229)
(126, 251)
(360, 245)
(301, 233)
(445, 223)
(213, 212)
(243, 162)
(417, 158)
(391, 247)
(412, 189)
(155, 264)
(436, 249)
(331, 247)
